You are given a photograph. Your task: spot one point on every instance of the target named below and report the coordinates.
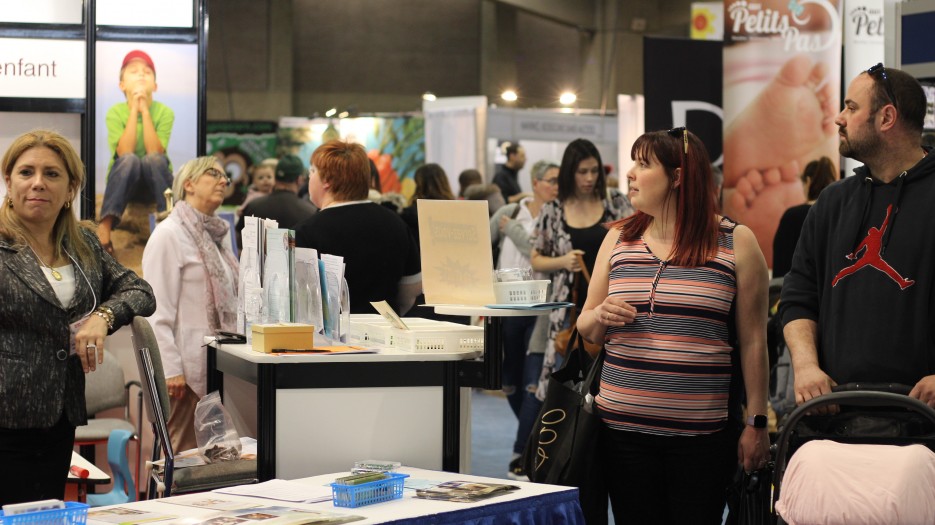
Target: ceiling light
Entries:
(428, 95)
(331, 112)
(568, 98)
(509, 95)
(343, 114)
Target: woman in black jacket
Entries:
(61, 294)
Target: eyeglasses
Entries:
(683, 131)
(218, 175)
(879, 69)
(552, 181)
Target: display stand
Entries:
(486, 373)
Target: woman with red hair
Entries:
(678, 297)
(381, 256)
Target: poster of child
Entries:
(146, 108)
(782, 63)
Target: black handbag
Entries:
(563, 442)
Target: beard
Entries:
(861, 148)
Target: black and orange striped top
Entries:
(669, 372)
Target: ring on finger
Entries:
(91, 346)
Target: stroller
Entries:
(870, 414)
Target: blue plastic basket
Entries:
(368, 493)
(73, 514)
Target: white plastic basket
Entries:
(379, 331)
(435, 339)
(521, 292)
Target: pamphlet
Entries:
(308, 288)
(384, 309)
(126, 516)
(203, 501)
(279, 516)
(464, 491)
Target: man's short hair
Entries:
(910, 97)
(510, 149)
(467, 178)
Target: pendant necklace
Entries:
(55, 274)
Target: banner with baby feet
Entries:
(782, 78)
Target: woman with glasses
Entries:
(192, 269)
(678, 297)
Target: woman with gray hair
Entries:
(189, 262)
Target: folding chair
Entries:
(165, 480)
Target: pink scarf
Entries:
(208, 232)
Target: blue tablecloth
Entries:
(555, 509)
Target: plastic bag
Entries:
(214, 430)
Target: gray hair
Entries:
(541, 167)
(190, 171)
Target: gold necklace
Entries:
(55, 274)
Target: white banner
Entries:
(34, 68)
(41, 11)
(145, 13)
(863, 45)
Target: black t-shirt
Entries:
(588, 239)
(507, 179)
(787, 236)
(377, 247)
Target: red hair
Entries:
(345, 167)
(696, 220)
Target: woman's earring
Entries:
(11, 202)
(67, 204)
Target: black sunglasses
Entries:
(683, 131)
(880, 70)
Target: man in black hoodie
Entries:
(859, 301)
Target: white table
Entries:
(313, 414)
(533, 504)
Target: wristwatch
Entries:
(756, 421)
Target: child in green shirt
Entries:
(138, 133)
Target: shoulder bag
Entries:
(560, 449)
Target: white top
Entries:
(173, 267)
(64, 289)
(510, 256)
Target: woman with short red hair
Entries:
(381, 256)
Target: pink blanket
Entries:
(832, 483)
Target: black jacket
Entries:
(864, 270)
(38, 380)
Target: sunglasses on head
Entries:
(680, 131)
(880, 70)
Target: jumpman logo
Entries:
(871, 257)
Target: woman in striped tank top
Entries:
(678, 296)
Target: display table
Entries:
(313, 414)
(533, 504)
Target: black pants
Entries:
(35, 462)
(668, 479)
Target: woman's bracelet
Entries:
(107, 315)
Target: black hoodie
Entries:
(864, 270)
